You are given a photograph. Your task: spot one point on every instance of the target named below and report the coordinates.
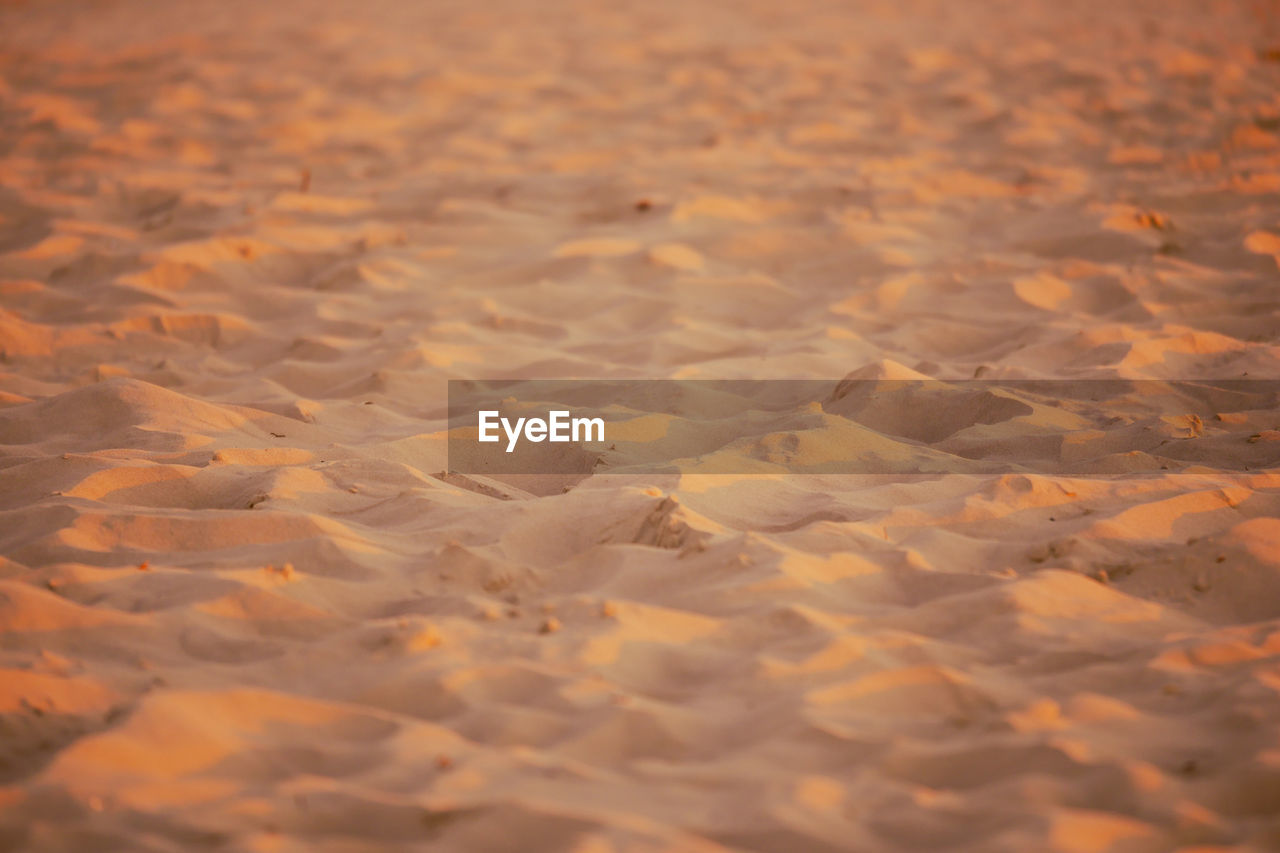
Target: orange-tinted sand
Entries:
(244, 245)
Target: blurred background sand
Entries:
(244, 246)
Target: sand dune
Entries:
(244, 247)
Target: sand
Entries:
(244, 246)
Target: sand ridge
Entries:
(243, 247)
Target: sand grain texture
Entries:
(244, 246)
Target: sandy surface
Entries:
(243, 247)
